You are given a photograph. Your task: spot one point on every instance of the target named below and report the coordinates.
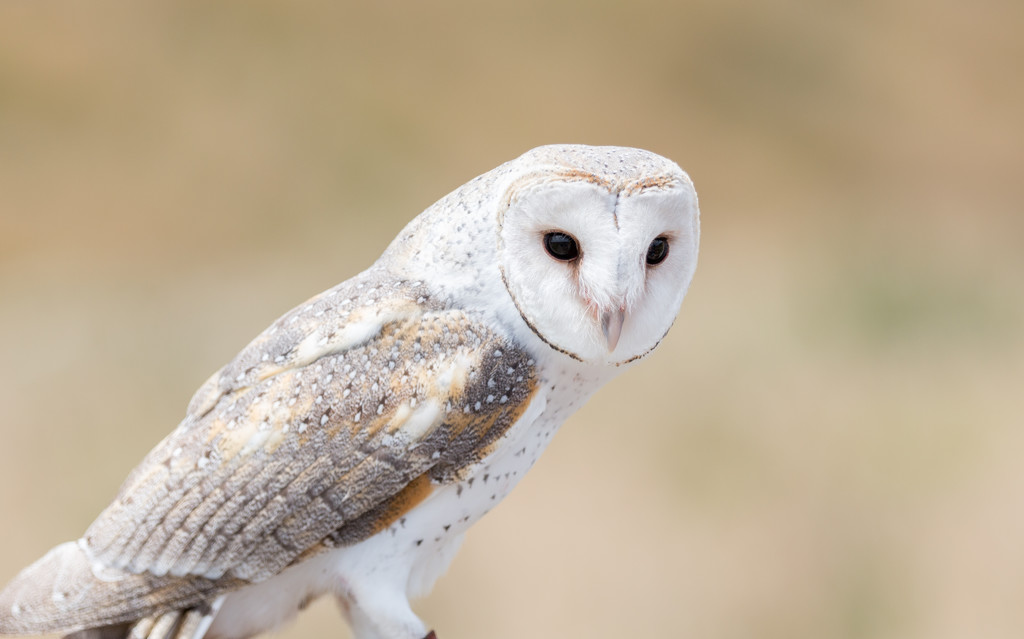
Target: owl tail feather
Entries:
(177, 624)
(66, 591)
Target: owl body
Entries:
(347, 449)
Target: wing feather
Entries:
(324, 430)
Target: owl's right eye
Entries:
(561, 246)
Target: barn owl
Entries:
(348, 448)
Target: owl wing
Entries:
(329, 426)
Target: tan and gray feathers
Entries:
(324, 430)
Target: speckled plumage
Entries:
(350, 445)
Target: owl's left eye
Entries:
(657, 251)
(561, 246)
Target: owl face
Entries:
(598, 268)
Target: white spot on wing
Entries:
(422, 420)
(453, 377)
(354, 334)
(255, 441)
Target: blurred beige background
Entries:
(829, 444)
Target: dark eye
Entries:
(561, 246)
(657, 251)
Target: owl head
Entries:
(589, 250)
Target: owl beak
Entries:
(611, 326)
